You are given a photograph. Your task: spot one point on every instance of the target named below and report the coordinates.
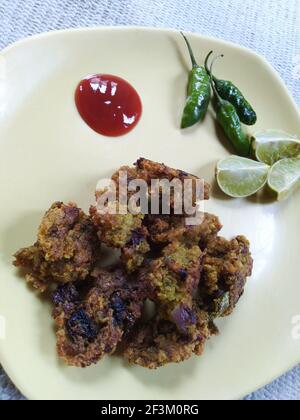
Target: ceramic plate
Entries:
(48, 153)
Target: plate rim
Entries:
(22, 387)
(55, 32)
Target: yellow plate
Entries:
(48, 153)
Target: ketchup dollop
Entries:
(108, 104)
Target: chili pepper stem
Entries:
(206, 62)
(193, 60)
(206, 65)
(212, 79)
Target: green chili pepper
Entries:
(199, 92)
(228, 91)
(229, 120)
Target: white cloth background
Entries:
(271, 27)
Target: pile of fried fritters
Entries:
(191, 275)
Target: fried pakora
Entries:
(90, 323)
(226, 266)
(174, 276)
(166, 229)
(129, 232)
(66, 248)
(190, 274)
(159, 342)
(148, 171)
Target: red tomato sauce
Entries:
(108, 104)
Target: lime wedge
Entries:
(241, 177)
(284, 177)
(272, 145)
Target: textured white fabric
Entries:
(271, 27)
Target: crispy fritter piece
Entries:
(91, 324)
(226, 266)
(159, 342)
(66, 247)
(119, 228)
(134, 252)
(166, 229)
(32, 260)
(125, 232)
(148, 170)
(116, 230)
(174, 276)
